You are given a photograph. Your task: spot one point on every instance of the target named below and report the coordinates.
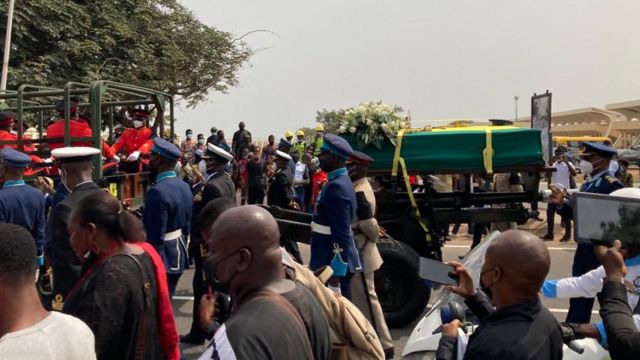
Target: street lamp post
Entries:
(515, 98)
(7, 46)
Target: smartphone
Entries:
(437, 272)
(600, 219)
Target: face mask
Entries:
(138, 124)
(201, 141)
(586, 167)
(213, 280)
(484, 288)
(189, 136)
(202, 166)
(623, 169)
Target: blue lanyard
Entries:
(12, 183)
(165, 175)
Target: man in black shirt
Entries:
(214, 135)
(241, 139)
(623, 337)
(271, 317)
(514, 268)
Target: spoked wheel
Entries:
(402, 294)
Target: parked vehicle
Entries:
(631, 155)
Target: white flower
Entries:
(365, 103)
(369, 122)
(384, 126)
(361, 108)
(342, 129)
(352, 129)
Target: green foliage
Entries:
(152, 43)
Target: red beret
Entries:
(140, 113)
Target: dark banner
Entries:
(541, 119)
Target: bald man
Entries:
(515, 265)
(245, 261)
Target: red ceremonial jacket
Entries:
(78, 129)
(134, 140)
(7, 136)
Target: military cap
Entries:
(283, 155)
(14, 158)
(337, 146)
(284, 144)
(73, 106)
(217, 152)
(165, 149)
(600, 149)
(74, 153)
(7, 117)
(361, 158)
(139, 113)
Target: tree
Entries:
(152, 43)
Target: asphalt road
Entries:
(561, 261)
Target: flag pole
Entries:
(7, 46)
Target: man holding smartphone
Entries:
(519, 327)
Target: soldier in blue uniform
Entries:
(217, 184)
(167, 210)
(332, 240)
(21, 204)
(595, 163)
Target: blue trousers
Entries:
(172, 282)
(584, 261)
(299, 196)
(345, 285)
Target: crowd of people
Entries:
(112, 274)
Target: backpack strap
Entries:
(286, 305)
(142, 323)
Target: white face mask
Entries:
(202, 166)
(138, 124)
(586, 168)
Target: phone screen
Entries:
(600, 219)
(437, 271)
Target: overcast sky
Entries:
(438, 59)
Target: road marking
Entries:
(186, 298)
(567, 310)
(550, 247)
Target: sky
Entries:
(438, 59)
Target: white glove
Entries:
(134, 156)
(116, 158)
